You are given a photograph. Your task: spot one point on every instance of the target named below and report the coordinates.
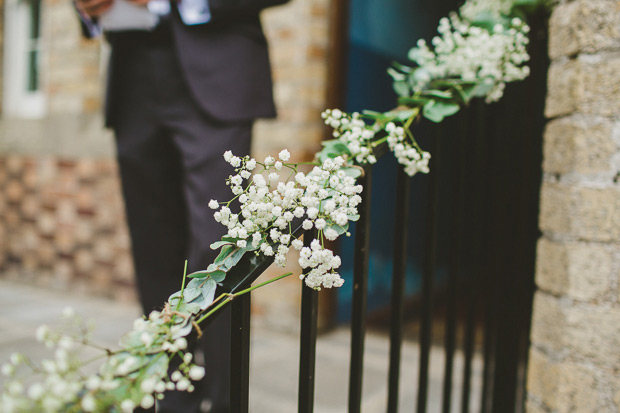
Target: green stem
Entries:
(182, 286)
(237, 294)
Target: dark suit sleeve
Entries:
(227, 7)
(90, 28)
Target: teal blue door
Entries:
(381, 32)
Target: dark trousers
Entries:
(171, 165)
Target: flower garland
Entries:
(476, 53)
(478, 50)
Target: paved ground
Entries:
(274, 353)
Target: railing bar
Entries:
(454, 269)
(360, 287)
(468, 352)
(474, 272)
(240, 349)
(427, 282)
(488, 143)
(307, 343)
(488, 370)
(398, 287)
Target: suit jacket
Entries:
(225, 62)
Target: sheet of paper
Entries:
(126, 16)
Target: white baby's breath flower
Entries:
(127, 406)
(89, 404)
(196, 373)
(183, 384)
(42, 333)
(147, 401)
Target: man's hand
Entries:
(94, 8)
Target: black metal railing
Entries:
(492, 176)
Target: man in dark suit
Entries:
(178, 97)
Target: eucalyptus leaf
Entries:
(190, 308)
(188, 295)
(233, 258)
(199, 274)
(333, 148)
(353, 218)
(413, 101)
(353, 172)
(218, 276)
(441, 94)
(158, 366)
(224, 253)
(339, 229)
(483, 88)
(402, 88)
(401, 67)
(219, 244)
(396, 75)
(436, 111)
(208, 293)
(195, 283)
(404, 115)
(373, 114)
(466, 91)
(131, 340)
(182, 330)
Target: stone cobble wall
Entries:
(59, 225)
(575, 354)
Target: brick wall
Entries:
(575, 358)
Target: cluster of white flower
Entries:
(62, 383)
(323, 199)
(412, 159)
(354, 133)
(474, 9)
(322, 263)
(64, 387)
(473, 54)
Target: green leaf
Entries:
(219, 244)
(483, 88)
(404, 115)
(441, 94)
(199, 274)
(158, 366)
(213, 271)
(436, 111)
(402, 88)
(189, 294)
(224, 253)
(413, 101)
(353, 218)
(373, 114)
(217, 276)
(402, 68)
(340, 230)
(466, 91)
(353, 172)
(332, 149)
(131, 340)
(184, 329)
(189, 308)
(233, 258)
(208, 293)
(396, 75)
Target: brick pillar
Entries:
(575, 352)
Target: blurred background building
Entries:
(61, 213)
